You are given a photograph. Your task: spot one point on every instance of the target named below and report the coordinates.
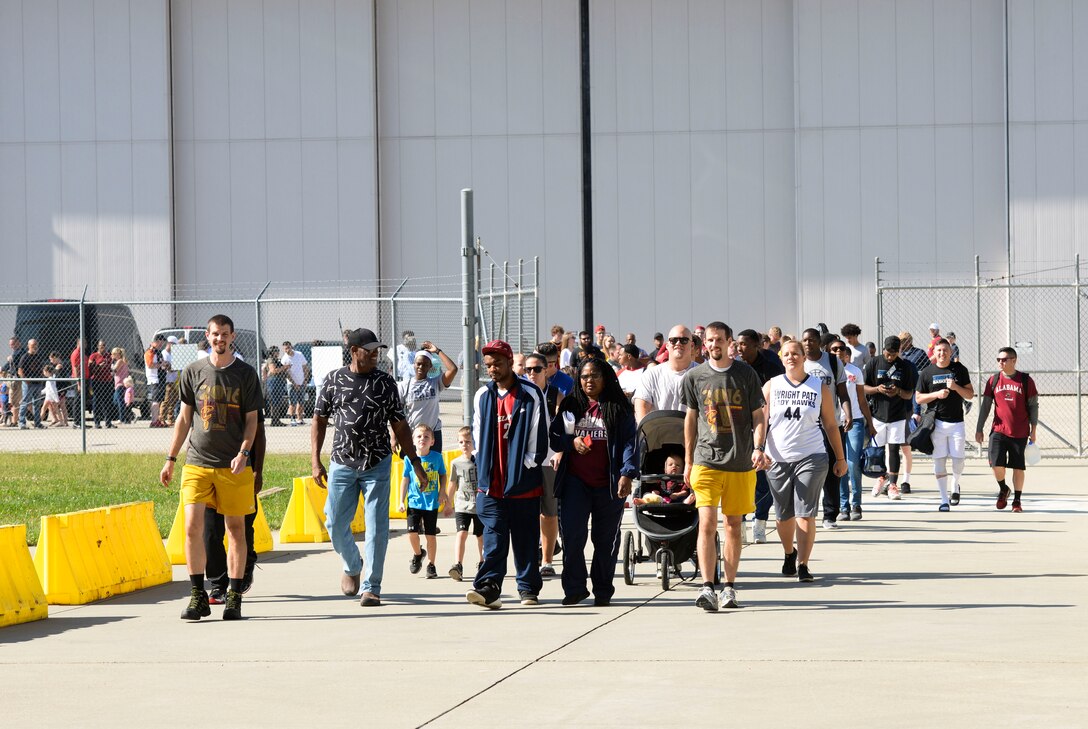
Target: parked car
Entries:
(55, 324)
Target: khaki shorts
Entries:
(734, 490)
(227, 493)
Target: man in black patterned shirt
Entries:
(363, 403)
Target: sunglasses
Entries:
(535, 370)
(836, 349)
(678, 341)
(591, 376)
(1006, 359)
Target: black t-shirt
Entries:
(767, 366)
(879, 371)
(32, 364)
(934, 379)
(361, 407)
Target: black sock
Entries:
(1001, 484)
(1016, 497)
(197, 581)
(709, 584)
(728, 584)
(235, 585)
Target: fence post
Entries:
(978, 330)
(521, 306)
(536, 298)
(879, 304)
(469, 271)
(1080, 407)
(257, 325)
(504, 322)
(393, 323)
(83, 370)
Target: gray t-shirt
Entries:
(220, 399)
(463, 473)
(421, 401)
(725, 401)
(822, 368)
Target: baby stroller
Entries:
(666, 532)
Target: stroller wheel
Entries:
(639, 553)
(718, 559)
(629, 558)
(666, 568)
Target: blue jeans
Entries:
(32, 399)
(507, 521)
(763, 496)
(850, 484)
(578, 504)
(346, 484)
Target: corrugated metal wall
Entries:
(750, 157)
(84, 147)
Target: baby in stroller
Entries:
(671, 489)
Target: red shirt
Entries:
(98, 368)
(504, 405)
(591, 468)
(1011, 403)
(75, 359)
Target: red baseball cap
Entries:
(498, 346)
(600, 328)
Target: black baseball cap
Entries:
(892, 344)
(362, 338)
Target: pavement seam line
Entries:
(538, 659)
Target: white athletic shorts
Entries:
(949, 439)
(894, 433)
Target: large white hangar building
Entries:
(746, 159)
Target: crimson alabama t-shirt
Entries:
(1011, 403)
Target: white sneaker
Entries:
(893, 492)
(707, 600)
(729, 597)
(828, 524)
(759, 531)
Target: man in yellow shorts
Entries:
(225, 393)
(724, 422)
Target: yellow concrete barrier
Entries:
(89, 555)
(396, 475)
(175, 543)
(21, 596)
(304, 520)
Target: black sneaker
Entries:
(233, 610)
(528, 598)
(198, 605)
(955, 500)
(218, 596)
(803, 575)
(904, 488)
(432, 573)
(417, 562)
(569, 600)
(789, 564)
(857, 513)
(247, 580)
(486, 595)
(844, 515)
(547, 570)
(456, 572)
(602, 601)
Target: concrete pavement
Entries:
(917, 618)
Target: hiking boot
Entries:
(707, 600)
(233, 609)
(417, 562)
(457, 573)
(198, 605)
(487, 595)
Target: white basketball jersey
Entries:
(795, 419)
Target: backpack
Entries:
(1021, 377)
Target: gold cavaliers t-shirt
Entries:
(220, 399)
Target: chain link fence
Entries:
(1043, 314)
(120, 393)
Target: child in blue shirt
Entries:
(423, 501)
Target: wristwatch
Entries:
(172, 459)
(759, 448)
(244, 452)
